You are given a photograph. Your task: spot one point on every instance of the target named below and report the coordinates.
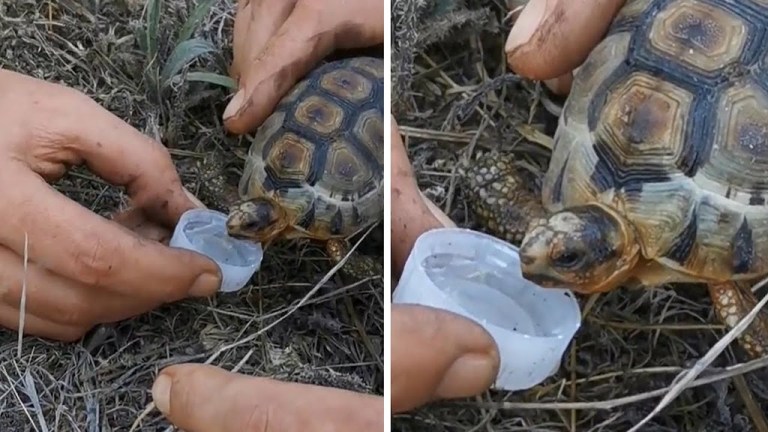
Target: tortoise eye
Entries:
(568, 258)
(252, 226)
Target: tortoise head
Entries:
(586, 249)
(259, 219)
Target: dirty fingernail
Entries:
(161, 393)
(470, 374)
(234, 104)
(205, 285)
(527, 23)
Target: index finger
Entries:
(110, 148)
(552, 37)
(80, 245)
(311, 32)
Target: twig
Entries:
(318, 285)
(610, 404)
(23, 301)
(686, 377)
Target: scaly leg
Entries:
(504, 197)
(732, 302)
(215, 191)
(358, 266)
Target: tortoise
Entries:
(659, 168)
(315, 166)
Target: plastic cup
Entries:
(204, 231)
(478, 276)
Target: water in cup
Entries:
(213, 240)
(488, 289)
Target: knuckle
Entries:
(258, 418)
(95, 265)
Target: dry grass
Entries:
(459, 99)
(103, 383)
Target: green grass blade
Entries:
(213, 78)
(153, 23)
(182, 55)
(194, 20)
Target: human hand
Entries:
(244, 403)
(436, 354)
(84, 269)
(277, 42)
(552, 37)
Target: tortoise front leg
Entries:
(215, 191)
(358, 266)
(504, 197)
(732, 302)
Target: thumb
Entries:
(304, 39)
(438, 355)
(552, 37)
(203, 398)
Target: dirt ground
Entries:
(335, 338)
(454, 97)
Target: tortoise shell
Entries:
(667, 122)
(320, 154)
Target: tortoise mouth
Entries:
(545, 281)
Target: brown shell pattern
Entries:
(667, 123)
(321, 153)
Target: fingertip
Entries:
(437, 354)
(469, 375)
(526, 24)
(177, 390)
(464, 335)
(207, 284)
(550, 38)
(234, 106)
(561, 85)
(520, 41)
(193, 199)
(245, 112)
(161, 393)
(178, 273)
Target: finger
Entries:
(267, 17)
(59, 300)
(242, 403)
(135, 220)
(239, 37)
(437, 212)
(109, 147)
(33, 325)
(560, 85)
(258, 22)
(309, 33)
(77, 244)
(302, 41)
(438, 355)
(409, 214)
(552, 37)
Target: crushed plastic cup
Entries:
(478, 276)
(204, 231)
